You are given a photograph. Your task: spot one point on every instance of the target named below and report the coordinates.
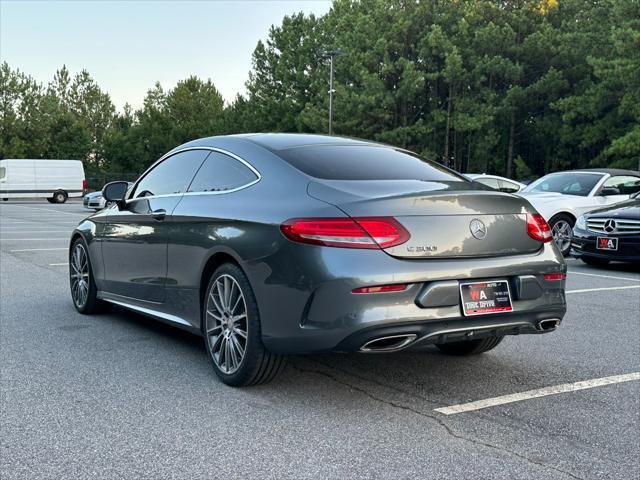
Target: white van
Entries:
(55, 180)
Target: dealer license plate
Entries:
(482, 298)
(606, 243)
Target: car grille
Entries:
(622, 225)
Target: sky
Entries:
(128, 45)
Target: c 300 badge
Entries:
(422, 249)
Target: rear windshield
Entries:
(360, 162)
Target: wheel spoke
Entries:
(228, 361)
(217, 328)
(217, 317)
(235, 305)
(237, 346)
(215, 346)
(227, 291)
(232, 289)
(215, 302)
(233, 354)
(222, 353)
(221, 297)
(239, 331)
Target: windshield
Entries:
(568, 183)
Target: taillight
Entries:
(362, 232)
(538, 228)
(554, 277)
(398, 287)
(84, 184)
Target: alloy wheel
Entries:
(226, 323)
(562, 235)
(79, 275)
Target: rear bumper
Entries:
(429, 333)
(306, 304)
(583, 244)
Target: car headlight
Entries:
(581, 223)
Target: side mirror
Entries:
(606, 191)
(116, 192)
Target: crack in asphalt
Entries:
(439, 421)
(408, 393)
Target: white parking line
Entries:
(586, 290)
(32, 239)
(18, 232)
(604, 276)
(4, 223)
(49, 210)
(37, 249)
(66, 264)
(539, 392)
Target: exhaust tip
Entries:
(549, 324)
(388, 344)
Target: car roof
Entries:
(285, 141)
(610, 171)
(282, 141)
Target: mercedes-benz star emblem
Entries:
(478, 229)
(610, 226)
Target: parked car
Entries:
(95, 200)
(275, 244)
(55, 180)
(562, 197)
(497, 183)
(609, 234)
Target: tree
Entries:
(285, 75)
(518, 87)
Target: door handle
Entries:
(159, 214)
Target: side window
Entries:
(508, 187)
(172, 175)
(3, 172)
(624, 184)
(221, 172)
(489, 182)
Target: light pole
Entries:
(332, 54)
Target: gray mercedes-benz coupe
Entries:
(275, 244)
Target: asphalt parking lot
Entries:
(119, 395)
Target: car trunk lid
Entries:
(444, 219)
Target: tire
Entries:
(562, 229)
(470, 347)
(596, 262)
(60, 196)
(91, 304)
(232, 332)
